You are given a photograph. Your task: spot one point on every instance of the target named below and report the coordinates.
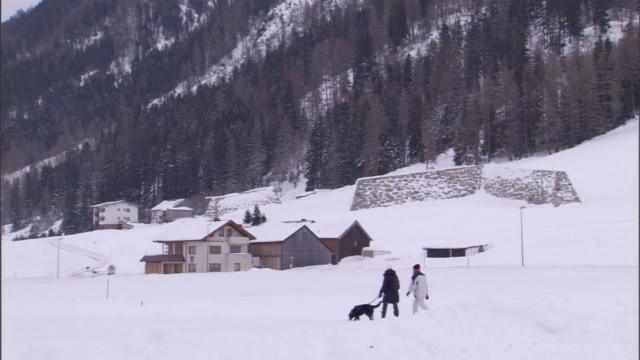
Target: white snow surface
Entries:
(576, 297)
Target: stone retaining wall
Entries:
(533, 186)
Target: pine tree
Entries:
(628, 57)
(315, 158)
(247, 217)
(363, 61)
(415, 147)
(256, 218)
(397, 27)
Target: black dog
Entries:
(364, 309)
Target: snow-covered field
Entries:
(575, 298)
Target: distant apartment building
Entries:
(114, 215)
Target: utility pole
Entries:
(521, 236)
(58, 273)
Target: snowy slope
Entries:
(575, 298)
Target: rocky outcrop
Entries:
(533, 186)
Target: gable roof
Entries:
(109, 203)
(335, 229)
(277, 232)
(167, 204)
(188, 231)
(237, 227)
(182, 208)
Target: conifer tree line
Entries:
(254, 218)
(353, 91)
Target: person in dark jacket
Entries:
(389, 291)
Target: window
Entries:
(234, 249)
(127, 210)
(192, 249)
(221, 232)
(214, 250)
(236, 266)
(215, 268)
(304, 236)
(355, 243)
(228, 232)
(118, 209)
(192, 267)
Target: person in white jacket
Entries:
(419, 288)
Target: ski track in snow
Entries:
(101, 259)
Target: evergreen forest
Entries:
(104, 100)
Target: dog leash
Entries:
(373, 300)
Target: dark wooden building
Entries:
(286, 246)
(446, 252)
(343, 238)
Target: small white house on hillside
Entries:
(114, 215)
(170, 210)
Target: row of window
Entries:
(221, 232)
(215, 249)
(102, 209)
(213, 267)
(123, 218)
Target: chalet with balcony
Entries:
(114, 215)
(287, 245)
(201, 247)
(170, 210)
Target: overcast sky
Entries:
(10, 7)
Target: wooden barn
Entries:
(344, 238)
(446, 252)
(285, 246)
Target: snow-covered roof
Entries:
(167, 204)
(330, 229)
(273, 232)
(180, 208)
(195, 229)
(108, 203)
(280, 231)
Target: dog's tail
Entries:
(378, 304)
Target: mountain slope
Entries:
(249, 94)
(576, 297)
(608, 213)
